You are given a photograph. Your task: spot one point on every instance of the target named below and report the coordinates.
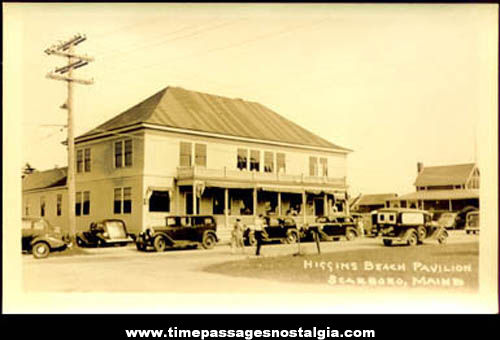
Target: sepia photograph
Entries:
(256, 158)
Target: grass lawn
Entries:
(450, 266)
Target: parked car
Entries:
(276, 228)
(462, 215)
(180, 231)
(472, 222)
(105, 233)
(410, 226)
(332, 228)
(448, 220)
(40, 237)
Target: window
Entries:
(268, 161)
(189, 204)
(185, 153)
(59, 205)
(200, 155)
(324, 166)
(128, 152)
(280, 162)
(117, 207)
(82, 203)
(242, 159)
(87, 160)
(86, 202)
(42, 206)
(254, 160)
(78, 204)
(123, 154)
(313, 166)
(122, 203)
(159, 201)
(79, 161)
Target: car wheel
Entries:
(413, 238)
(350, 235)
(443, 237)
(209, 241)
(79, 242)
(41, 250)
(387, 242)
(140, 246)
(421, 233)
(159, 243)
(291, 237)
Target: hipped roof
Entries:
(176, 107)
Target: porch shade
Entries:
(230, 185)
(283, 189)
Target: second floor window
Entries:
(324, 166)
(79, 160)
(242, 160)
(86, 160)
(255, 160)
(83, 160)
(200, 155)
(280, 162)
(313, 166)
(268, 161)
(123, 153)
(185, 154)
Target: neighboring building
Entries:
(450, 187)
(367, 203)
(45, 195)
(185, 152)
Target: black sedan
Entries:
(105, 233)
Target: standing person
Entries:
(259, 230)
(238, 235)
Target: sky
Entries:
(397, 84)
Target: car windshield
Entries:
(116, 229)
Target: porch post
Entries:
(226, 207)
(279, 204)
(325, 205)
(449, 205)
(304, 205)
(194, 199)
(178, 200)
(255, 201)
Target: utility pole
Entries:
(66, 49)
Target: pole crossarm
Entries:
(68, 55)
(51, 75)
(75, 65)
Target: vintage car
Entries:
(180, 231)
(447, 220)
(105, 233)
(276, 228)
(462, 216)
(40, 237)
(333, 228)
(472, 222)
(410, 226)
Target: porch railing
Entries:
(186, 173)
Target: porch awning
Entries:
(287, 190)
(159, 188)
(230, 185)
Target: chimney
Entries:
(420, 167)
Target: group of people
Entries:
(237, 239)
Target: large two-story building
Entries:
(185, 152)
